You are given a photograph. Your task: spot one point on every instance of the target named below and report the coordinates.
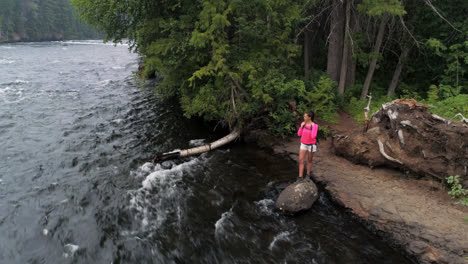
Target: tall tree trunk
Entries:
(397, 72)
(375, 51)
(351, 74)
(307, 49)
(346, 44)
(335, 46)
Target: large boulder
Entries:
(404, 134)
(298, 196)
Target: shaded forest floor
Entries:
(417, 214)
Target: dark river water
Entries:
(76, 132)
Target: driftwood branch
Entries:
(197, 150)
(463, 119)
(382, 151)
(366, 112)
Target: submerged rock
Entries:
(298, 196)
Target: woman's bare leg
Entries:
(309, 162)
(302, 153)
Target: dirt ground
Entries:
(416, 214)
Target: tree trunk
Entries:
(346, 44)
(351, 74)
(335, 46)
(397, 72)
(193, 151)
(375, 51)
(307, 50)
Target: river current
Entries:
(76, 132)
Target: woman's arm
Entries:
(299, 132)
(313, 134)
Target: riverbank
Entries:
(417, 215)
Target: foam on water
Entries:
(117, 121)
(222, 223)
(281, 236)
(5, 61)
(266, 206)
(70, 250)
(10, 95)
(104, 83)
(163, 176)
(160, 193)
(15, 82)
(197, 142)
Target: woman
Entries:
(308, 134)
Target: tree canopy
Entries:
(252, 63)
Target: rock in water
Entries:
(298, 196)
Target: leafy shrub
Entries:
(320, 97)
(352, 91)
(450, 106)
(409, 91)
(356, 107)
(456, 190)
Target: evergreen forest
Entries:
(250, 63)
(40, 20)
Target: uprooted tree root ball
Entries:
(404, 134)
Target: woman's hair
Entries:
(311, 115)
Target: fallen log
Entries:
(197, 150)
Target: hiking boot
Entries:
(299, 179)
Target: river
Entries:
(76, 132)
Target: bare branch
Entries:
(244, 93)
(409, 32)
(310, 22)
(429, 4)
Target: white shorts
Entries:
(310, 148)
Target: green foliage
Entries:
(380, 7)
(232, 61)
(410, 91)
(456, 190)
(456, 61)
(320, 97)
(465, 220)
(356, 106)
(324, 132)
(450, 106)
(436, 45)
(240, 62)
